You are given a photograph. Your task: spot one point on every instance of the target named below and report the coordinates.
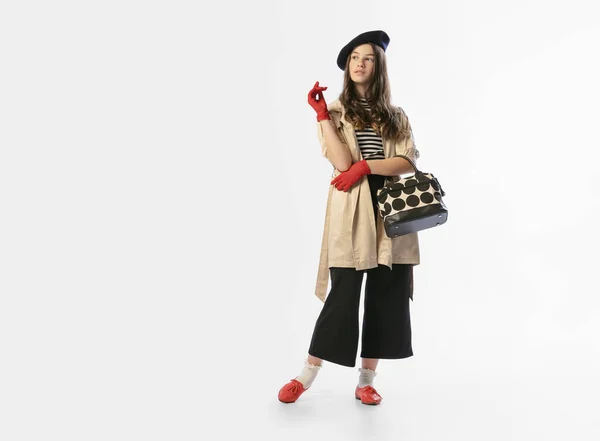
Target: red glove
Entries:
(345, 180)
(317, 102)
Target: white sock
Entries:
(308, 374)
(366, 377)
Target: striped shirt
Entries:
(370, 144)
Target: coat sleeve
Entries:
(335, 117)
(321, 137)
(407, 146)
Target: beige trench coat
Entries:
(350, 237)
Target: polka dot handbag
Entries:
(411, 204)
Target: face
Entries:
(362, 64)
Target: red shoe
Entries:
(291, 391)
(367, 395)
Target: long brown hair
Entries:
(384, 116)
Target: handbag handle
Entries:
(417, 171)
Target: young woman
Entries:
(362, 135)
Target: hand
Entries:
(317, 102)
(345, 180)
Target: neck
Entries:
(361, 90)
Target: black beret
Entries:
(380, 38)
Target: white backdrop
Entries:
(162, 199)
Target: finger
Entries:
(317, 87)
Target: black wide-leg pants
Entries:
(386, 328)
